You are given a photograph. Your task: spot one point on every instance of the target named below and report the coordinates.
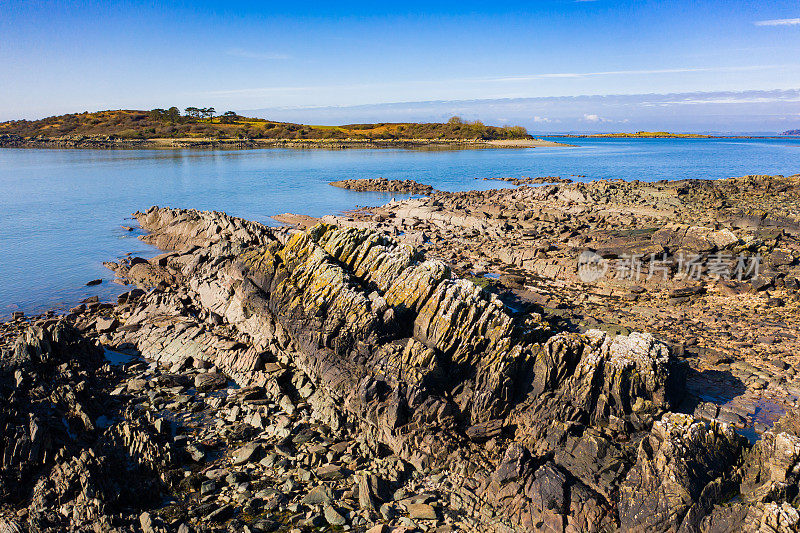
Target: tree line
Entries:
(173, 115)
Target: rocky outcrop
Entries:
(420, 359)
(366, 367)
(383, 185)
(175, 229)
(432, 366)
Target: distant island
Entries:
(642, 135)
(662, 135)
(648, 135)
(202, 127)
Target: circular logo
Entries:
(591, 266)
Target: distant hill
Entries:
(201, 123)
(791, 132)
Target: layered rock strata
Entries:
(500, 418)
(434, 367)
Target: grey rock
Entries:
(333, 517)
(318, 495)
(248, 453)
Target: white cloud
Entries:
(528, 77)
(591, 118)
(747, 97)
(541, 120)
(430, 86)
(779, 22)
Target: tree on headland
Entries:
(193, 112)
(228, 117)
(208, 112)
(173, 115)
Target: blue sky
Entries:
(59, 57)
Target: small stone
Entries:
(106, 324)
(333, 517)
(318, 495)
(163, 426)
(248, 453)
(207, 487)
(331, 472)
(682, 292)
(209, 381)
(421, 511)
(146, 522)
(221, 514)
(287, 405)
(314, 521)
(136, 385)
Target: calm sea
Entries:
(62, 212)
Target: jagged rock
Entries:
(681, 468)
(331, 472)
(52, 453)
(771, 469)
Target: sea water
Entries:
(63, 212)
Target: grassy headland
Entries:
(197, 126)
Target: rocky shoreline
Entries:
(107, 142)
(436, 364)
